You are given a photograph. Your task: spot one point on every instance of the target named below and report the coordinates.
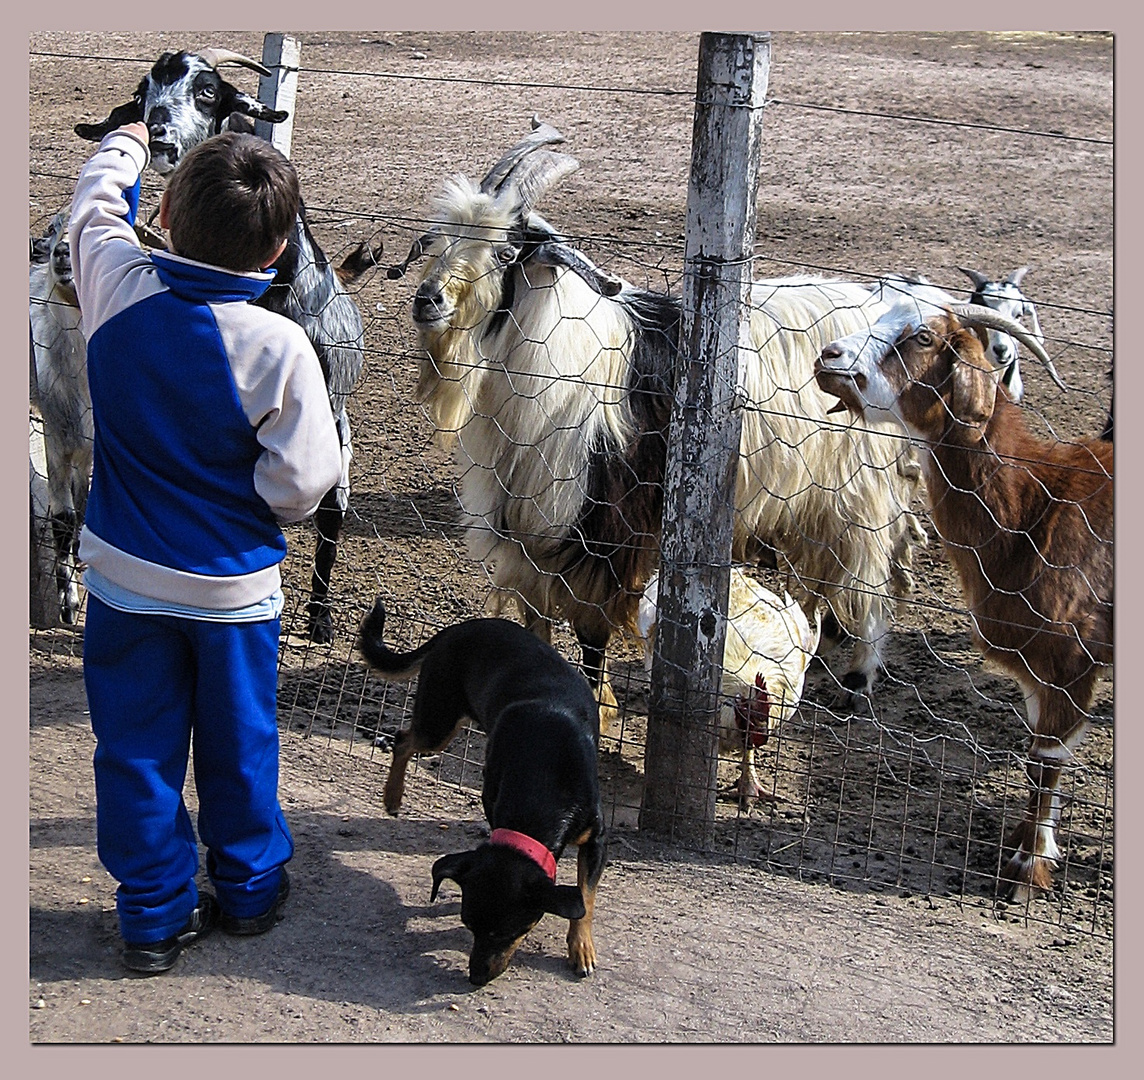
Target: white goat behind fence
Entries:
(58, 391)
(557, 380)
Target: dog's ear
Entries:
(454, 867)
(564, 900)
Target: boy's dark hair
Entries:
(232, 201)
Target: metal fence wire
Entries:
(911, 789)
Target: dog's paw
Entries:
(581, 952)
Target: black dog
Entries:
(541, 785)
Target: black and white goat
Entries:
(58, 390)
(557, 379)
(183, 100)
(1005, 296)
(1027, 523)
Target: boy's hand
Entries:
(138, 129)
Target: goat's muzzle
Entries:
(430, 308)
(844, 384)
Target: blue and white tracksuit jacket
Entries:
(212, 425)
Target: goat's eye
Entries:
(924, 338)
(508, 254)
(207, 92)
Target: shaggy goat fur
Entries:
(560, 397)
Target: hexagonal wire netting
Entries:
(912, 788)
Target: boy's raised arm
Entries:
(103, 242)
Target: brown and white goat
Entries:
(1026, 522)
(557, 381)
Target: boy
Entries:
(213, 425)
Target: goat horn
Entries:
(542, 135)
(975, 276)
(215, 57)
(556, 254)
(415, 252)
(537, 173)
(976, 314)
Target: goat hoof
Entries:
(853, 696)
(320, 627)
(1026, 876)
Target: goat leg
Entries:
(595, 669)
(65, 529)
(1030, 869)
(328, 521)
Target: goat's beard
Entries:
(164, 161)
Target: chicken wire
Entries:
(912, 794)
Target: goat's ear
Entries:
(974, 394)
(130, 112)
(238, 102)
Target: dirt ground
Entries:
(855, 904)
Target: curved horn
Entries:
(537, 173)
(215, 57)
(542, 135)
(557, 254)
(975, 314)
(975, 276)
(420, 245)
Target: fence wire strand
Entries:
(904, 790)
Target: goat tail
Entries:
(381, 657)
(357, 262)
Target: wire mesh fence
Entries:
(912, 788)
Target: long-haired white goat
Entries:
(558, 378)
(58, 390)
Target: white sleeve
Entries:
(283, 394)
(111, 270)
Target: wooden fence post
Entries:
(681, 756)
(279, 89)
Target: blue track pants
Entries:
(158, 686)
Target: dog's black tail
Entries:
(379, 655)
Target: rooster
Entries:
(768, 646)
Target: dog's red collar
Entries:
(525, 844)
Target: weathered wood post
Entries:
(281, 54)
(703, 444)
